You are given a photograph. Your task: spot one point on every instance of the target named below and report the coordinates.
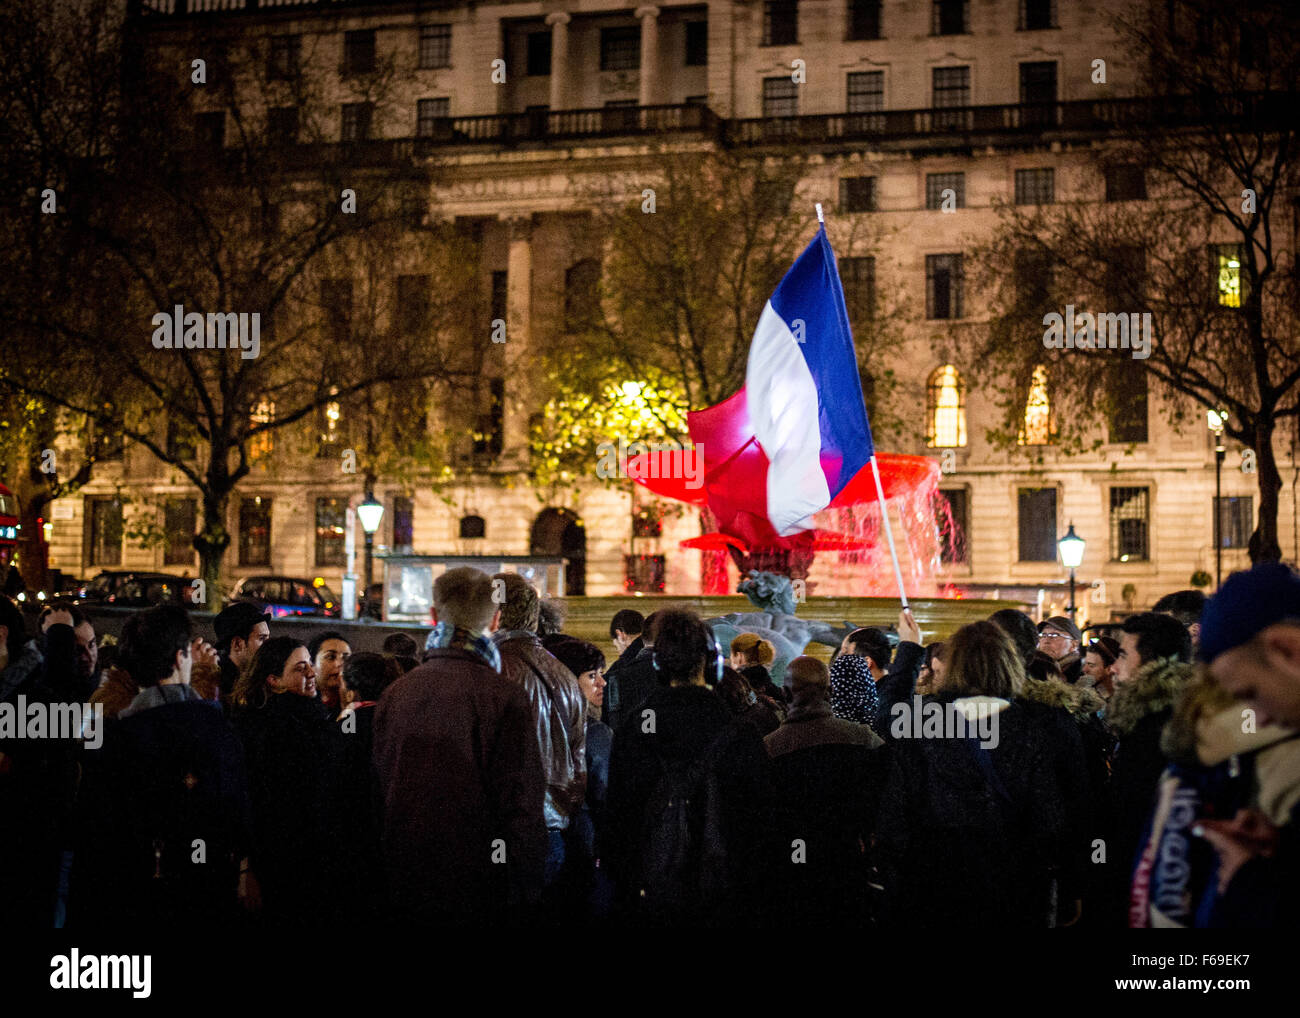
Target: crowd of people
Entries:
(506, 772)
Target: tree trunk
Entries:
(1264, 546)
(211, 543)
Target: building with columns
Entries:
(898, 102)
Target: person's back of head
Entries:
(628, 620)
(150, 642)
(1043, 666)
(735, 691)
(754, 650)
(462, 597)
(578, 656)
(810, 679)
(367, 675)
(1184, 605)
(551, 614)
(982, 660)
(649, 629)
(521, 605)
(1020, 627)
(63, 604)
(1159, 636)
(401, 645)
(681, 647)
(871, 642)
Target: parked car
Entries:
(105, 587)
(288, 595)
(148, 591)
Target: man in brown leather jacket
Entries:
(558, 706)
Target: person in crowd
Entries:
(365, 677)
(1099, 666)
(169, 776)
(1020, 627)
(241, 628)
(20, 657)
(75, 684)
(329, 655)
(1044, 667)
(752, 656)
(551, 614)
(402, 648)
(689, 790)
(853, 690)
(971, 831)
(1186, 606)
(591, 881)
(118, 687)
(1250, 641)
(559, 710)
(827, 775)
(930, 679)
(460, 772)
(1059, 638)
(293, 752)
(633, 640)
(746, 704)
(1150, 672)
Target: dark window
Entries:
(697, 43)
(1037, 14)
(330, 532)
(282, 125)
(780, 22)
(500, 291)
(858, 194)
(255, 531)
(403, 523)
(105, 532)
(1037, 520)
(359, 51)
(414, 304)
(1038, 93)
(949, 17)
(435, 46)
(620, 115)
(472, 527)
(538, 61)
(943, 286)
(780, 97)
(697, 100)
(644, 573)
(1128, 418)
(859, 278)
(620, 48)
(1124, 277)
(210, 129)
(1129, 515)
(866, 91)
(1036, 187)
(356, 121)
(937, 183)
(489, 432)
(952, 517)
(1228, 280)
(181, 444)
(285, 51)
(336, 299)
(864, 20)
(1033, 278)
(1236, 519)
(648, 521)
(950, 87)
(581, 294)
(427, 114)
(1125, 182)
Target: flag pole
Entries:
(889, 532)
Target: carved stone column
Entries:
(649, 55)
(559, 23)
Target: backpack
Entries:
(683, 866)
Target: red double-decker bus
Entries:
(8, 529)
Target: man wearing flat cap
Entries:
(1059, 638)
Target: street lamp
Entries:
(1217, 420)
(1071, 547)
(370, 513)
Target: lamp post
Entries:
(370, 513)
(1217, 419)
(1071, 547)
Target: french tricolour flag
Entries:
(805, 397)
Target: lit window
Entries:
(1038, 411)
(260, 445)
(946, 409)
(1226, 261)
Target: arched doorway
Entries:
(558, 532)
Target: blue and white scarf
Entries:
(444, 634)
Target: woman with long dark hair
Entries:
(292, 751)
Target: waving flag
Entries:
(803, 392)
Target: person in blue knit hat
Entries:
(1250, 639)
